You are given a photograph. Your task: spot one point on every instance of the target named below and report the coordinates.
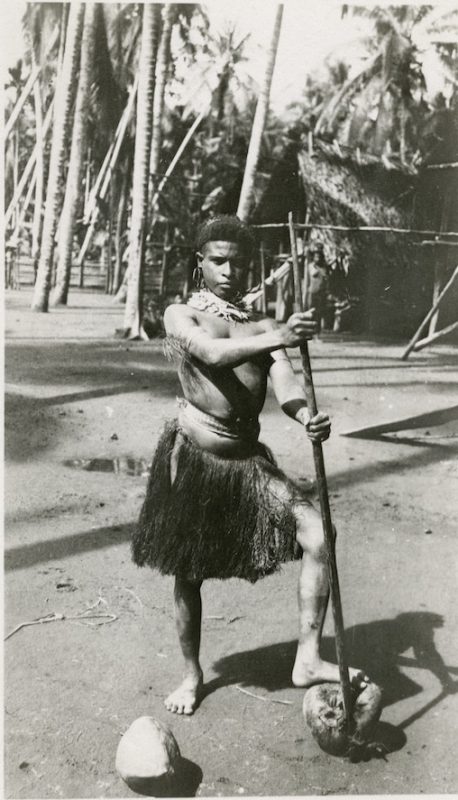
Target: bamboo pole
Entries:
(110, 156)
(263, 280)
(28, 169)
(300, 226)
(15, 167)
(165, 253)
(190, 133)
(39, 171)
(276, 275)
(449, 165)
(437, 335)
(176, 158)
(323, 495)
(12, 119)
(104, 177)
(23, 211)
(436, 292)
(429, 316)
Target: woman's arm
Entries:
(291, 398)
(181, 323)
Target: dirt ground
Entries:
(74, 393)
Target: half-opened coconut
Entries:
(324, 714)
(147, 757)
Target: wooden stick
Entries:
(263, 280)
(323, 494)
(300, 226)
(28, 167)
(429, 315)
(177, 156)
(104, 178)
(436, 292)
(10, 123)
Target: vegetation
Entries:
(127, 124)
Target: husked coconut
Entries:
(324, 714)
(147, 757)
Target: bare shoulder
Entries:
(178, 316)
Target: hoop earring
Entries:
(198, 277)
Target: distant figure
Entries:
(317, 282)
(338, 289)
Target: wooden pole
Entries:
(429, 316)
(176, 158)
(435, 336)
(275, 276)
(104, 177)
(9, 125)
(28, 168)
(436, 293)
(363, 228)
(263, 280)
(165, 252)
(323, 493)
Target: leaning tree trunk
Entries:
(162, 68)
(146, 68)
(254, 149)
(76, 165)
(62, 107)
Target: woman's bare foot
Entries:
(186, 698)
(306, 673)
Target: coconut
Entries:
(147, 757)
(323, 710)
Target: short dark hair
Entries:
(226, 228)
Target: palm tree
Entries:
(146, 68)
(76, 165)
(382, 107)
(254, 149)
(162, 70)
(62, 107)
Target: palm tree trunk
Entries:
(162, 68)
(76, 166)
(122, 291)
(254, 149)
(146, 68)
(62, 106)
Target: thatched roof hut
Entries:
(391, 273)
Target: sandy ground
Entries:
(73, 392)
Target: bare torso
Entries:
(230, 392)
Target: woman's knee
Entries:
(310, 534)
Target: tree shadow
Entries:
(375, 647)
(29, 555)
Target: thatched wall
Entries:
(387, 270)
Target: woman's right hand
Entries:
(299, 327)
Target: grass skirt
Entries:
(219, 519)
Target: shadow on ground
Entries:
(376, 647)
(28, 555)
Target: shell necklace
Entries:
(205, 300)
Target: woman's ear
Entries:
(199, 257)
